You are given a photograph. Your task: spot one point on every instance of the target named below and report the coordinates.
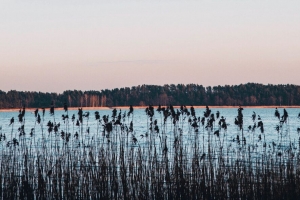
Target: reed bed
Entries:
(179, 156)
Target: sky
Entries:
(52, 46)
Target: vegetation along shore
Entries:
(176, 153)
(250, 94)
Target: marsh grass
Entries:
(118, 163)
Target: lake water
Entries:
(90, 132)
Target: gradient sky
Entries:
(56, 45)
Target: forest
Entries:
(250, 94)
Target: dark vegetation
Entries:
(250, 94)
(115, 162)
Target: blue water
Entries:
(256, 141)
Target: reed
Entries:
(185, 156)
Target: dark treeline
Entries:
(250, 94)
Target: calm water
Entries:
(140, 121)
(258, 146)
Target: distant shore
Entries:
(140, 107)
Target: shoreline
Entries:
(140, 107)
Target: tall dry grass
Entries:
(119, 163)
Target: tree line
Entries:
(250, 94)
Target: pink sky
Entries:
(92, 45)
